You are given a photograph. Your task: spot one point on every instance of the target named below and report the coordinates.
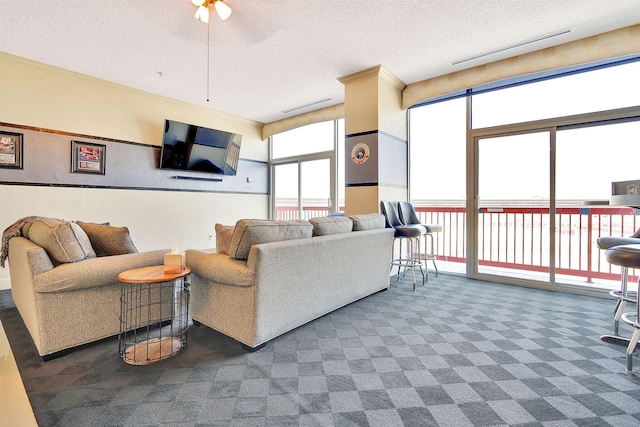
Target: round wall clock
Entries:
(360, 153)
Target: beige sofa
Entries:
(277, 275)
(64, 280)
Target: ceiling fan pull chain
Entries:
(208, 56)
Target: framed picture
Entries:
(87, 157)
(10, 150)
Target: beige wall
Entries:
(373, 102)
(361, 105)
(46, 97)
(392, 118)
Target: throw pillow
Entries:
(326, 225)
(372, 221)
(249, 232)
(26, 228)
(64, 241)
(108, 240)
(223, 238)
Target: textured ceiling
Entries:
(272, 56)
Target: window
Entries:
(437, 174)
(304, 171)
(437, 149)
(314, 138)
(598, 90)
(538, 206)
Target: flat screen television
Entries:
(196, 148)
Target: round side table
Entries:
(154, 314)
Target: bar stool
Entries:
(628, 256)
(409, 233)
(408, 216)
(622, 295)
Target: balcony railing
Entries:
(291, 212)
(518, 237)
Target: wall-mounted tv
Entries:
(195, 148)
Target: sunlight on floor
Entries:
(15, 409)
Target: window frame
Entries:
(332, 155)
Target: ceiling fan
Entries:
(202, 14)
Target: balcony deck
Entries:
(516, 239)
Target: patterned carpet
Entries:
(455, 352)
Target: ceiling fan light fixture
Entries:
(202, 14)
(222, 9)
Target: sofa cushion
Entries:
(223, 238)
(372, 221)
(326, 225)
(94, 272)
(249, 232)
(64, 241)
(108, 240)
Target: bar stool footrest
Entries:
(631, 319)
(618, 340)
(632, 296)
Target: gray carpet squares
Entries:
(456, 352)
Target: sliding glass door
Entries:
(542, 197)
(589, 160)
(302, 189)
(540, 160)
(285, 187)
(513, 202)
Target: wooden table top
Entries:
(152, 274)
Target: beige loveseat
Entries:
(277, 275)
(64, 280)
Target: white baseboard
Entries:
(5, 284)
